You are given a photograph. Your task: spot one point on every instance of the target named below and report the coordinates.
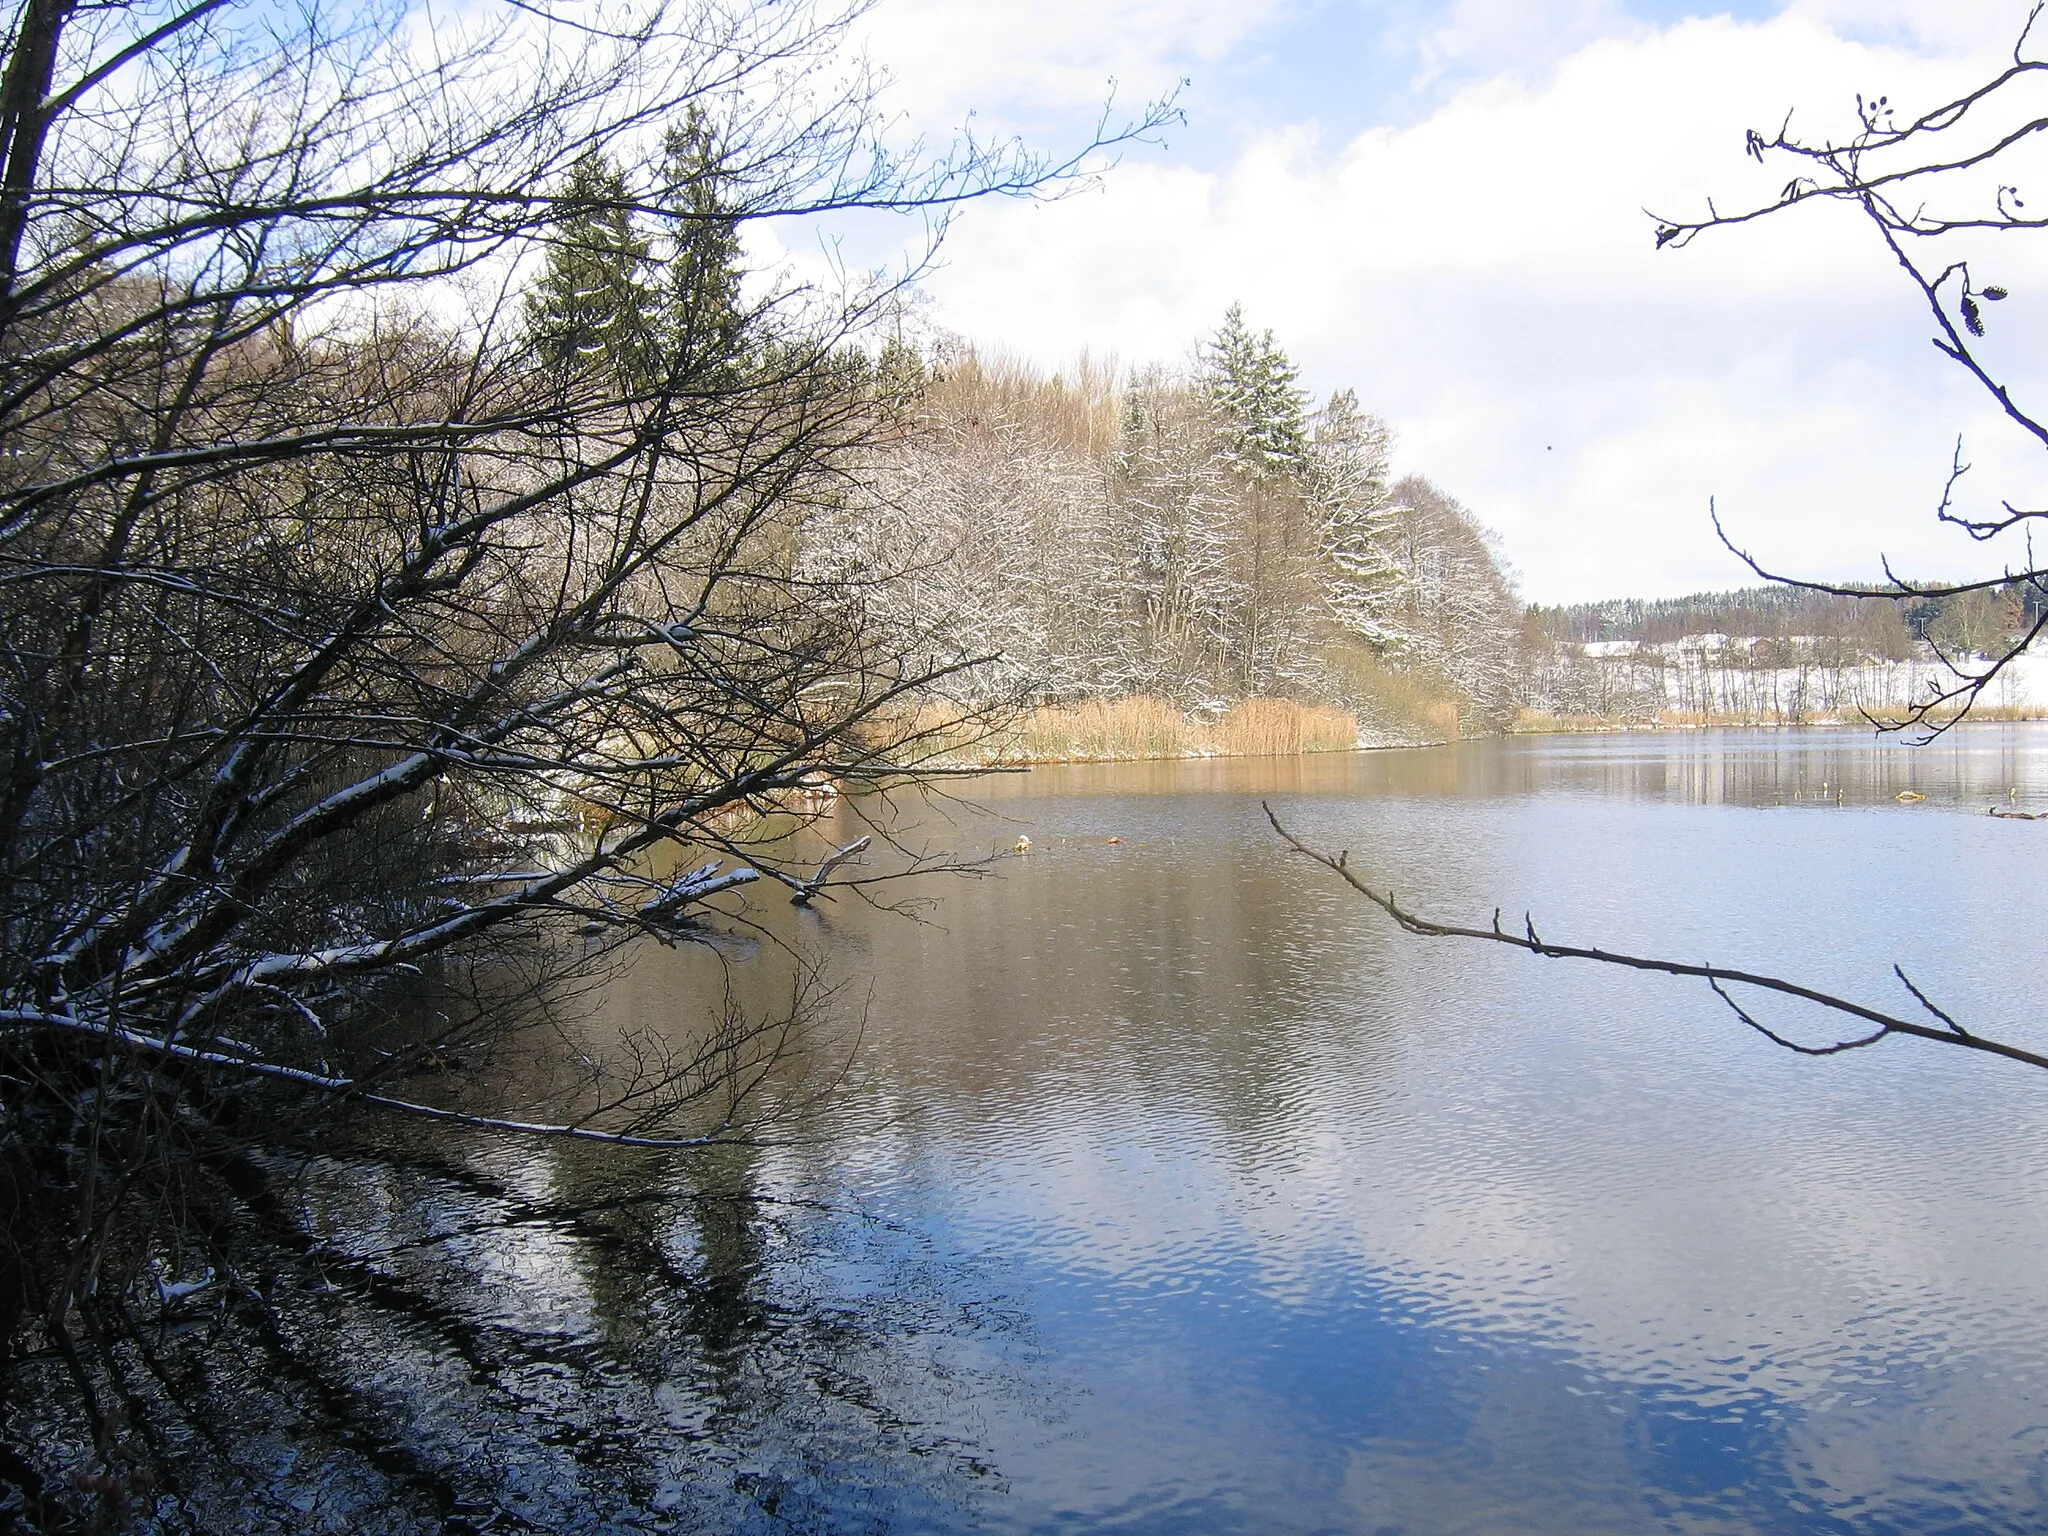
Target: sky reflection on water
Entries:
(1218, 1206)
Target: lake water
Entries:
(1179, 1192)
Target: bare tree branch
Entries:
(1720, 978)
(1892, 173)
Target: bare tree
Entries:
(1456, 611)
(363, 643)
(1875, 1025)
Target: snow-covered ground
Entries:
(1724, 676)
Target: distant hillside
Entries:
(1882, 627)
(1776, 654)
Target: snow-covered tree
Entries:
(1178, 515)
(1103, 537)
(987, 522)
(1256, 393)
(1347, 482)
(1458, 610)
(1259, 410)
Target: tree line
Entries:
(1773, 654)
(1201, 534)
(1880, 623)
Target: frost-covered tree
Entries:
(1178, 514)
(987, 520)
(1255, 391)
(1347, 482)
(1102, 537)
(1458, 611)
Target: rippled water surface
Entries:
(1181, 1193)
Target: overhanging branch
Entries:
(1882, 1024)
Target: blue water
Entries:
(1178, 1192)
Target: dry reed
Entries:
(1409, 702)
(1103, 730)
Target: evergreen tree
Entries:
(610, 300)
(592, 310)
(1256, 393)
(1253, 395)
(703, 321)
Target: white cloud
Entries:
(1486, 278)
(1956, 27)
(1024, 63)
(1505, 37)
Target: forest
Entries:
(1114, 560)
(1210, 534)
(1199, 536)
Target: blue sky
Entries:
(1440, 204)
(1349, 65)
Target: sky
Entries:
(1440, 204)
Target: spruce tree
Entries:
(702, 319)
(592, 310)
(1257, 395)
(612, 300)
(1259, 409)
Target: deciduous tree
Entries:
(373, 638)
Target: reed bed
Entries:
(1119, 730)
(1103, 730)
(1282, 728)
(2008, 712)
(1413, 704)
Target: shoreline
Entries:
(1578, 725)
(999, 764)
(1148, 747)
(1603, 728)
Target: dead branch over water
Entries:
(1945, 1030)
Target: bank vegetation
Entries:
(1203, 542)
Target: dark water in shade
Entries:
(1181, 1193)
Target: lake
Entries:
(1176, 1190)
